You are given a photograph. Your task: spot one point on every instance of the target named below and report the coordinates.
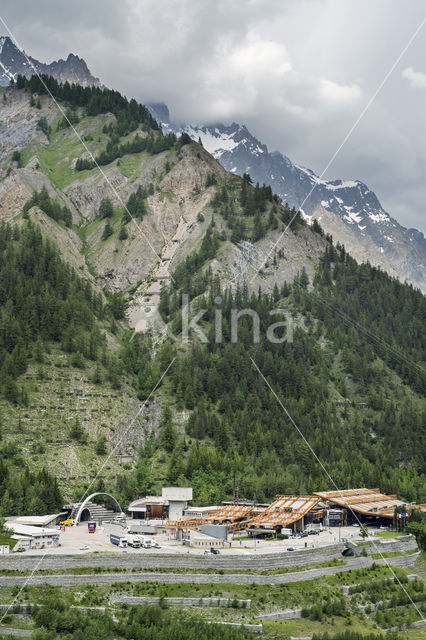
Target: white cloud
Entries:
(297, 73)
(339, 93)
(241, 71)
(417, 79)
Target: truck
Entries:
(119, 541)
(91, 526)
(134, 541)
(67, 523)
(150, 543)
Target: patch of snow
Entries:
(348, 219)
(382, 250)
(378, 217)
(343, 184)
(355, 216)
(2, 41)
(214, 144)
(361, 228)
(305, 216)
(389, 239)
(311, 175)
(339, 200)
(257, 151)
(8, 73)
(325, 203)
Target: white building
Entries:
(199, 512)
(169, 506)
(40, 521)
(177, 498)
(201, 540)
(30, 537)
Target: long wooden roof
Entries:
(364, 501)
(284, 511)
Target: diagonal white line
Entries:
(126, 431)
(360, 327)
(82, 142)
(332, 481)
(38, 564)
(347, 136)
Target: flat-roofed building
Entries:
(170, 505)
(199, 512)
(33, 537)
(201, 540)
(40, 521)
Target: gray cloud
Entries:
(297, 72)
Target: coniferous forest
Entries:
(351, 377)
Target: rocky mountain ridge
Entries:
(347, 209)
(14, 62)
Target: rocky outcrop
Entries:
(14, 62)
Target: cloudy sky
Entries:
(298, 73)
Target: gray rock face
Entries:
(159, 111)
(353, 207)
(14, 62)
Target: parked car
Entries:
(215, 552)
(84, 547)
(208, 553)
(291, 549)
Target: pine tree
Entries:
(105, 208)
(108, 231)
(168, 434)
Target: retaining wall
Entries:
(252, 562)
(185, 602)
(400, 561)
(288, 614)
(195, 578)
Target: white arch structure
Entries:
(89, 498)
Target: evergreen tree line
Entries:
(94, 99)
(251, 211)
(135, 204)
(51, 207)
(237, 425)
(185, 275)
(41, 300)
(23, 492)
(393, 314)
(153, 143)
(57, 619)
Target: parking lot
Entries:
(77, 540)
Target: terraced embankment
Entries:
(67, 580)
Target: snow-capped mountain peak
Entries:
(347, 209)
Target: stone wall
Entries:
(185, 602)
(144, 559)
